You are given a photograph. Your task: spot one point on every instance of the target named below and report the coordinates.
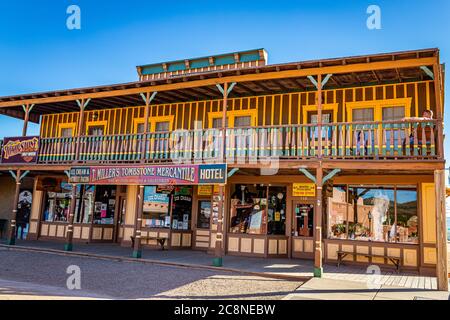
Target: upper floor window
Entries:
(393, 113)
(242, 121)
(155, 124)
(66, 132)
(363, 114)
(234, 119)
(96, 130)
(162, 126)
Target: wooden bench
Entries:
(161, 241)
(343, 254)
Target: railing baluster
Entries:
(432, 140)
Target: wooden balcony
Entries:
(414, 140)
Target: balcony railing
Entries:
(356, 140)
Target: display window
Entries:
(258, 209)
(204, 214)
(156, 212)
(373, 213)
(166, 207)
(104, 205)
(57, 204)
(94, 204)
(182, 208)
(85, 211)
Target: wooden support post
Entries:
(441, 231)
(438, 98)
(13, 226)
(224, 120)
(146, 116)
(319, 116)
(80, 128)
(218, 250)
(318, 269)
(137, 249)
(69, 234)
(26, 109)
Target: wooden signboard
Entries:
(303, 190)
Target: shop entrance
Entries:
(303, 229)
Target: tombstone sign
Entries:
(20, 150)
(162, 175)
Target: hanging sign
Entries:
(303, 190)
(151, 175)
(20, 150)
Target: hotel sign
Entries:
(151, 175)
(20, 150)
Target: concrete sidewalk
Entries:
(332, 289)
(296, 269)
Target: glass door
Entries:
(303, 219)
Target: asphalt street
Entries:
(41, 275)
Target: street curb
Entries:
(157, 262)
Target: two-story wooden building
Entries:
(336, 159)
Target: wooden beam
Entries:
(348, 68)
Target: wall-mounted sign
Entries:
(303, 190)
(20, 150)
(204, 190)
(151, 175)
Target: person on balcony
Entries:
(416, 132)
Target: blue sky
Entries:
(38, 52)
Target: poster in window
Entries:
(256, 222)
(155, 202)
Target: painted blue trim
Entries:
(308, 174)
(247, 57)
(203, 63)
(178, 66)
(223, 60)
(152, 69)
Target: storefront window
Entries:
(104, 205)
(204, 214)
(84, 212)
(156, 208)
(276, 213)
(373, 213)
(58, 204)
(258, 209)
(182, 208)
(407, 216)
(338, 208)
(248, 209)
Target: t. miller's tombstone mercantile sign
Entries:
(190, 174)
(20, 150)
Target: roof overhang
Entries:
(291, 77)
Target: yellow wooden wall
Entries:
(277, 109)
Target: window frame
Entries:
(97, 123)
(69, 125)
(378, 106)
(313, 108)
(152, 123)
(395, 188)
(231, 115)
